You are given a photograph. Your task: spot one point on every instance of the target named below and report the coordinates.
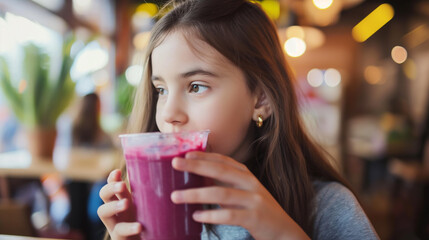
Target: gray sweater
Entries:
(338, 215)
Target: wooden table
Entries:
(82, 164)
(75, 164)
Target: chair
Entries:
(15, 219)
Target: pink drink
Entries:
(152, 179)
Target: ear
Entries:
(262, 106)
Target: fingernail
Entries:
(197, 215)
(176, 197)
(118, 187)
(178, 162)
(121, 204)
(135, 228)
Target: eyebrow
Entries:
(190, 74)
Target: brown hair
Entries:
(286, 160)
(86, 127)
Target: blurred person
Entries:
(87, 133)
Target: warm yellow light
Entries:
(295, 47)
(315, 77)
(271, 8)
(399, 54)
(322, 12)
(141, 40)
(312, 37)
(410, 69)
(373, 74)
(322, 4)
(295, 31)
(417, 36)
(371, 23)
(149, 8)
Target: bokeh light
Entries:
(374, 21)
(295, 47)
(295, 31)
(141, 40)
(332, 77)
(148, 8)
(81, 7)
(92, 58)
(133, 74)
(85, 85)
(271, 8)
(315, 77)
(314, 37)
(373, 74)
(410, 69)
(322, 4)
(399, 54)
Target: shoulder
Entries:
(328, 193)
(338, 214)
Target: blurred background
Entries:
(68, 70)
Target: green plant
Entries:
(124, 95)
(39, 99)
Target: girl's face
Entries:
(200, 89)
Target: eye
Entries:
(161, 91)
(198, 88)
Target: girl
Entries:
(218, 65)
(87, 131)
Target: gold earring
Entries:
(260, 121)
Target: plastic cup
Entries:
(152, 179)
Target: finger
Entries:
(216, 195)
(114, 176)
(216, 157)
(108, 212)
(114, 191)
(216, 170)
(238, 217)
(126, 229)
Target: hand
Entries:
(243, 199)
(118, 213)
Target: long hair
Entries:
(286, 160)
(86, 127)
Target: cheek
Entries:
(228, 128)
(228, 138)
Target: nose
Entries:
(173, 111)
